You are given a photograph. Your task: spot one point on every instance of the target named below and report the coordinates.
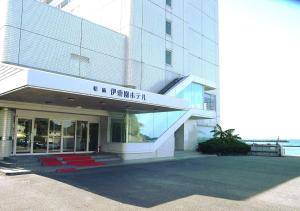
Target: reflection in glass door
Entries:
(54, 136)
(94, 133)
(24, 128)
(40, 135)
(81, 136)
(69, 136)
(117, 130)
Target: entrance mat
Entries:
(50, 162)
(66, 170)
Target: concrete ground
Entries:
(207, 183)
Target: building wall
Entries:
(44, 37)
(194, 40)
(130, 51)
(36, 35)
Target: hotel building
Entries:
(139, 78)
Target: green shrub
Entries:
(223, 147)
(224, 142)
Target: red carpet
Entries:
(50, 162)
(66, 170)
(70, 159)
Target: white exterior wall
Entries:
(43, 37)
(194, 41)
(49, 36)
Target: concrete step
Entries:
(23, 159)
(14, 171)
(108, 159)
(7, 164)
(104, 156)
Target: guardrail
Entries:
(274, 150)
(271, 141)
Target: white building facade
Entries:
(135, 77)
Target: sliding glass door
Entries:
(47, 135)
(69, 135)
(94, 136)
(40, 139)
(24, 129)
(54, 141)
(81, 136)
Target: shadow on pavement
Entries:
(148, 185)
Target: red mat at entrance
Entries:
(66, 170)
(50, 162)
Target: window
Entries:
(118, 130)
(209, 102)
(168, 57)
(169, 3)
(168, 27)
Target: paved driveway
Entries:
(211, 183)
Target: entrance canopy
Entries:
(35, 86)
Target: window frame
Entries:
(169, 4)
(171, 57)
(171, 31)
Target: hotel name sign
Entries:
(120, 93)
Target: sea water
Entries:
(292, 147)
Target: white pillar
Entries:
(6, 131)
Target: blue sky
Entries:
(260, 67)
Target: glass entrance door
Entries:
(81, 136)
(40, 135)
(47, 135)
(54, 140)
(24, 129)
(94, 134)
(69, 135)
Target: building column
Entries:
(6, 131)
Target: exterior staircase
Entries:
(173, 88)
(170, 85)
(162, 146)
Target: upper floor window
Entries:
(209, 102)
(168, 57)
(169, 3)
(168, 27)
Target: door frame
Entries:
(15, 136)
(32, 115)
(99, 137)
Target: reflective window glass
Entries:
(194, 94)
(40, 135)
(169, 3)
(118, 130)
(81, 136)
(168, 57)
(24, 136)
(68, 136)
(140, 127)
(55, 136)
(168, 27)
